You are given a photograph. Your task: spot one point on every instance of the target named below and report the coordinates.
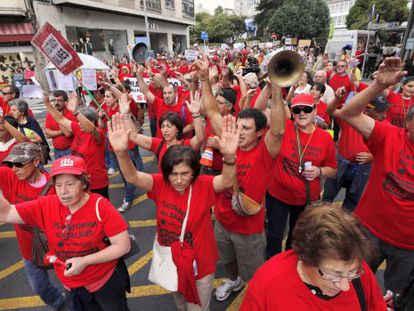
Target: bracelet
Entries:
(320, 172)
(229, 163)
(195, 116)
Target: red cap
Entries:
(215, 57)
(68, 165)
(302, 100)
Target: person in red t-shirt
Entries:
(180, 191)
(354, 157)
(325, 271)
(10, 92)
(322, 118)
(169, 103)
(241, 239)
(171, 128)
(297, 170)
(158, 82)
(62, 140)
(88, 143)
(401, 103)
(7, 141)
(386, 207)
(77, 224)
(24, 181)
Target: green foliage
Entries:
(220, 26)
(388, 10)
(303, 19)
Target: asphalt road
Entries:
(15, 292)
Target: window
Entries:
(188, 8)
(169, 4)
(152, 5)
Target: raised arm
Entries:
(194, 106)
(332, 106)
(207, 97)
(118, 137)
(8, 212)
(143, 86)
(59, 118)
(124, 108)
(274, 136)
(14, 132)
(389, 73)
(228, 146)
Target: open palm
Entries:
(390, 72)
(118, 134)
(229, 140)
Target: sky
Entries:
(212, 4)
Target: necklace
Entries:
(304, 150)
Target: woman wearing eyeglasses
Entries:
(324, 271)
(77, 225)
(297, 171)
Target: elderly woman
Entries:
(324, 271)
(76, 224)
(88, 143)
(171, 191)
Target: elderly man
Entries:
(9, 93)
(329, 94)
(386, 207)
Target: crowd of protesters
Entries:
(229, 142)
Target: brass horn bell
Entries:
(285, 68)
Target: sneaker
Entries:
(111, 171)
(124, 207)
(227, 287)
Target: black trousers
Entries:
(110, 297)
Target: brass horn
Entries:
(285, 68)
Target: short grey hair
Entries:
(90, 113)
(22, 106)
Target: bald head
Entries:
(320, 77)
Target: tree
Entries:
(266, 9)
(220, 26)
(388, 11)
(303, 19)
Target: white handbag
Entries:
(163, 271)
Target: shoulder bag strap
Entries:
(360, 292)
(186, 215)
(46, 188)
(307, 185)
(97, 209)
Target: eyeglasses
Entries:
(67, 226)
(17, 164)
(337, 278)
(7, 93)
(305, 109)
(340, 66)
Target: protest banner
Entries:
(136, 93)
(190, 55)
(52, 44)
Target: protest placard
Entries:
(190, 55)
(52, 44)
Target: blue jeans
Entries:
(40, 283)
(109, 161)
(137, 161)
(277, 215)
(62, 153)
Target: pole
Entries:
(365, 53)
(146, 25)
(205, 49)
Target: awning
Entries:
(16, 32)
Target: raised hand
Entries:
(390, 72)
(46, 98)
(340, 92)
(124, 103)
(194, 105)
(230, 133)
(201, 66)
(118, 134)
(72, 103)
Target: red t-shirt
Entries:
(171, 210)
(236, 88)
(277, 286)
(253, 177)
(321, 112)
(184, 69)
(399, 108)
(18, 191)
(155, 145)
(287, 180)
(350, 142)
(387, 204)
(86, 147)
(337, 81)
(86, 233)
(5, 149)
(4, 106)
(60, 142)
(161, 107)
(217, 156)
(157, 93)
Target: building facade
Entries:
(246, 7)
(338, 11)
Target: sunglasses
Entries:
(341, 66)
(17, 164)
(305, 109)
